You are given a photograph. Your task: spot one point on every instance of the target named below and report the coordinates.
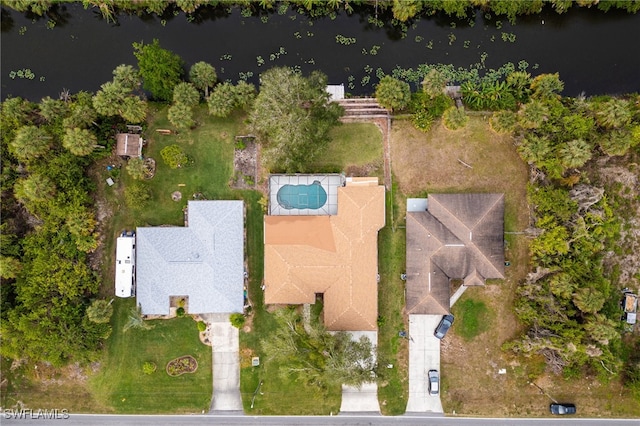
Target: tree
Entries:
(79, 141)
(82, 112)
(174, 156)
(34, 189)
(313, 354)
(404, 10)
(245, 94)
(617, 142)
(533, 114)
(434, 83)
(454, 118)
(222, 100)
(15, 112)
(100, 311)
(53, 109)
(392, 93)
(203, 76)
(115, 99)
(29, 143)
(601, 329)
(10, 267)
(293, 116)
(613, 114)
(135, 320)
(547, 86)
(127, 76)
(534, 149)
(575, 153)
(160, 69)
(588, 300)
(186, 93)
(136, 168)
(503, 121)
(181, 116)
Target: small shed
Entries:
(336, 91)
(129, 145)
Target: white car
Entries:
(434, 382)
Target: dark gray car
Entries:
(443, 327)
(562, 408)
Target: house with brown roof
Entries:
(451, 236)
(333, 254)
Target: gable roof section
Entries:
(204, 261)
(129, 144)
(335, 255)
(459, 236)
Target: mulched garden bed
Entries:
(182, 365)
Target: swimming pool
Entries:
(302, 196)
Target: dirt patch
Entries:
(245, 164)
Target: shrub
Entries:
(237, 320)
(180, 311)
(137, 195)
(503, 122)
(174, 156)
(136, 168)
(149, 367)
(202, 326)
(455, 118)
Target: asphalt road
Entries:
(111, 420)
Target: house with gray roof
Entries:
(202, 262)
(451, 237)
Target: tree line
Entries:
(396, 10)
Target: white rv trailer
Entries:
(125, 264)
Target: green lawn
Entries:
(472, 318)
(121, 383)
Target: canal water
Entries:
(594, 52)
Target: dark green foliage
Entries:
(160, 69)
(426, 109)
(180, 311)
(237, 320)
(488, 96)
(292, 115)
(392, 93)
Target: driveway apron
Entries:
(424, 355)
(226, 367)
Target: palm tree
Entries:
(100, 311)
(35, 188)
(133, 109)
(53, 109)
(392, 93)
(613, 114)
(503, 121)
(547, 86)
(222, 101)
(135, 320)
(186, 93)
(30, 142)
(404, 10)
(601, 329)
(79, 141)
(127, 76)
(575, 153)
(181, 116)
(454, 118)
(533, 114)
(617, 142)
(534, 149)
(136, 168)
(588, 300)
(203, 76)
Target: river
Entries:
(594, 52)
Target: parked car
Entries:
(562, 408)
(443, 327)
(434, 382)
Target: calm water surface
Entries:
(594, 52)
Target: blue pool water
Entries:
(302, 196)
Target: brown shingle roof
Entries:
(460, 236)
(335, 255)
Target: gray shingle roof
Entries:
(204, 261)
(459, 236)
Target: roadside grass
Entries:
(392, 349)
(472, 318)
(121, 383)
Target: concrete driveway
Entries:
(226, 365)
(424, 355)
(365, 399)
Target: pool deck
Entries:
(329, 182)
